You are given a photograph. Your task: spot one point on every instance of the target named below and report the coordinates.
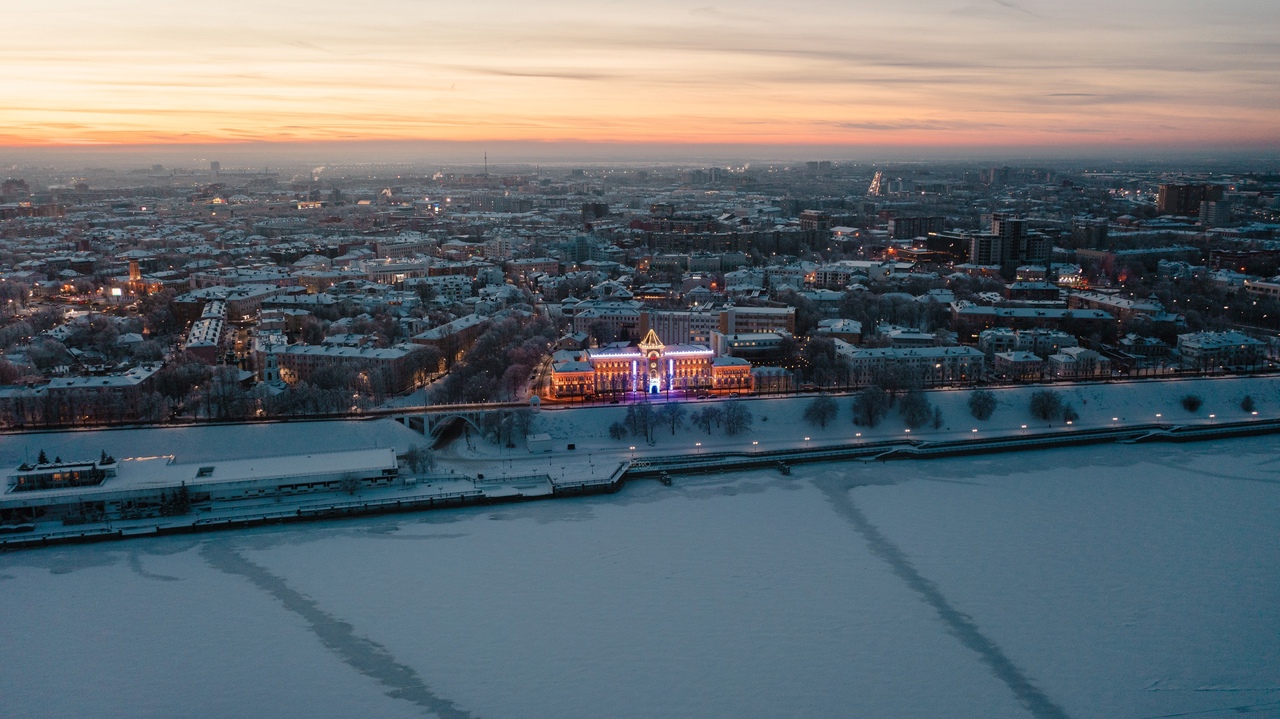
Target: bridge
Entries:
(433, 425)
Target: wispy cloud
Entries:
(1020, 71)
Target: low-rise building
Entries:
(1208, 350)
(931, 365)
(1078, 363)
(453, 339)
(108, 489)
(1017, 365)
(390, 370)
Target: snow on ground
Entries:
(1115, 581)
(779, 421)
(778, 424)
(199, 443)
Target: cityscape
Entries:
(581, 363)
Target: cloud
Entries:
(1014, 6)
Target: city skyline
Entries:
(945, 76)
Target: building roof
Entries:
(158, 472)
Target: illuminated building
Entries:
(650, 367)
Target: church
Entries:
(650, 367)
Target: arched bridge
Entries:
(433, 425)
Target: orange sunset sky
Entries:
(933, 73)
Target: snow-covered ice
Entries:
(1110, 581)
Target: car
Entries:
(733, 394)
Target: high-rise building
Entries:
(1177, 199)
(815, 220)
(907, 228)
(1089, 233)
(1215, 213)
(215, 167)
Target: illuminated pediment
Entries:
(651, 342)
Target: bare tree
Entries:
(870, 406)
(707, 417)
(982, 404)
(419, 459)
(820, 411)
(672, 412)
(915, 409)
(737, 418)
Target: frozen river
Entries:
(1114, 581)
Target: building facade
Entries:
(651, 367)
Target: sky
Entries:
(924, 74)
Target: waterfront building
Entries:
(651, 367)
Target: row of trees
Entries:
(498, 365)
(643, 419)
(873, 403)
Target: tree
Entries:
(937, 417)
(617, 430)
(419, 458)
(312, 331)
(640, 419)
(820, 410)
(870, 406)
(672, 412)
(1069, 413)
(707, 417)
(1247, 404)
(43, 458)
(982, 404)
(349, 483)
(915, 409)
(737, 418)
(1192, 402)
(1046, 404)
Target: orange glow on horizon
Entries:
(944, 74)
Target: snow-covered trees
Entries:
(419, 459)
(820, 411)
(870, 406)
(672, 413)
(1046, 404)
(915, 409)
(737, 418)
(707, 417)
(982, 404)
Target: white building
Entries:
(1078, 362)
(1207, 350)
(932, 365)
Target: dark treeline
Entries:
(499, 364)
